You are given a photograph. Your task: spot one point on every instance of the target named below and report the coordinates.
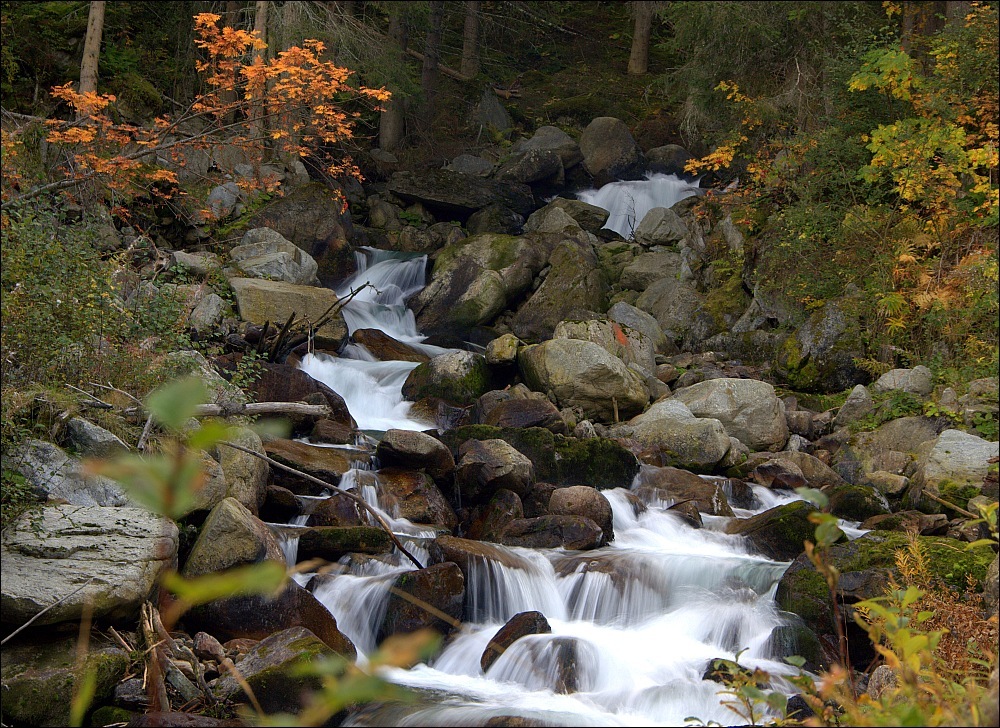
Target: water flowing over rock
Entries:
(414, 496)
(671, 435)
(489, 465)
(676, 485)
(778, 533)
(331, 543)
(121, 552)
(609, 151)
(518, 626)
(442, 586)
(748, 409)
(386, 348)
(582, 374)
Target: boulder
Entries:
(208, 313)
(458, 377)
(486, 466)
(115, 554)
(609, 151)
(955, 467)
(554, 531)
(502, 350)
(589, 217)
(325, 463)
(219, 391)
(679, 309)
(487, 522)
(621, 341)
(552, 220)
(495, 218)
(626, 314)
(858, 404)
(661, 226)
(778, 533)
(574, 282)
(413, 495)
(532, 165)
(260, 301)
(857, 502)
(669, 159)
(476, 278)
(286, 383)
(337, 511)
(526, 413)
(333, 542)
(583, 500)
(518, 626)
(670, 434)
(442, 586)
(264, 253)
(452, 195)
(647, 268)
(272, 670)
(385, 348)
(411, 449)
(918, 381)
(582, 374)
(245, 475)
(676, 485)
(490, 113)
(820, 355)
(54, 474)
(40, 678)
(748, 409)
(93, 441)
(231, 536)
(471, 164)
(552, 139)
(258, 617)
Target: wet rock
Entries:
(411, 449)
(231, 536)
(674, 485)
(386, 348)
(526, 413)
(518, 626)
(779, 532)
(569, 532)
(258, 617)
(488, 522)
(469, 554)
(582, 500)
(414, 496)
(781, 474)
(670, 434)
(458, 377)
(816, 472)
(486, 466)
(121, 552)
(857, 502)
(609, 151)
(333, 542)
(269, 670)
(286, 383)
(442, 586)
(536, 503)
(325, 463)
(337, 511)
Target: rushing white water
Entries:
(640, 619)
(628, 202)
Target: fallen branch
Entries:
(55, 603)
(955, 508)
(262, 408)
(337, 491)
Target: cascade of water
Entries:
(640, 619)
(628, 202)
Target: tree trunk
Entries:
(470, 39)
(92, 47)
(228, 95)
(429, 73)
(921, 20)
(638, 60)
(260, 28)
(391, 124)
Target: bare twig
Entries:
(147, 428)
(337, 491)
(93, 401)
(54, 604)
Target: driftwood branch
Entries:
(54, 604)
(262, 408)
(337, 491)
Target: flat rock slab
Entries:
(47, 557)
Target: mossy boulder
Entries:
(857, 502)
(819, 356)
(39, 678)
(442, 586)
(458, 377)
(778, 533)
(599, 462)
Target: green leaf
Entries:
(272, 427)
(828, 533)
(174, 403)
(778, 701)
(795, 660)
(264, 578)
(816, 497)
(209, 434)
(83, 696)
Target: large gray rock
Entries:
(458, 377)
(648, 268)
(575, 282)
(748, 409)
(957, 458)
(582, 374)
(490, 113)
(94, 441)
(451, 194)
(118, 553)
(534, 165)
(470, 164)
(231, 536)
(858, 404)
(554, 139)
(552, 219)
(208, 313)
(475, 278)
(624, 342)
(265, 253)
(628, 315)
(671, 434)
(245, 475)
(661, 226)
(589, 217)
(50, 470)
(259, 301)
(679, 309)
(609, 151)
(918, 381)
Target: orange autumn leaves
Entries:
(292, 104)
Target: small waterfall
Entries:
(628, 202)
